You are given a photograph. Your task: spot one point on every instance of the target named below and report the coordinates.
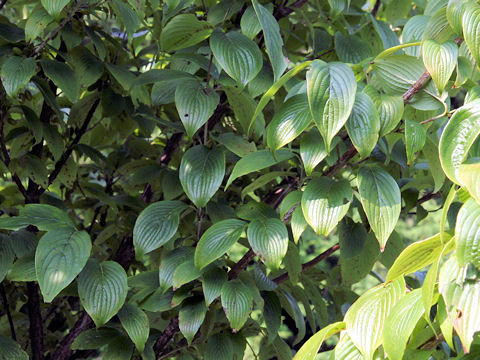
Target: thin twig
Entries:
(7, 311)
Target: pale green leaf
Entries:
(325, 202)
(36, 23)
(269, 240)
(457, 138)
(413, 32)
(365, 319)
(309, 350)
(183, 31)
(469, 176)
(217, 240)
(273, 39)
(401, 323)
(239, 56)
(298, 224)
(454, 14)
(438, 28)
(60, 256)
(195, 104)
(16, 73)
(381, 200)
(346, 350)
(156, 225)
(460, 289)
(236, 302)
(135, 322)
(312, 150)
(46, 217)
(363, 125)
(201, 173)
(236, 144)
(471, 28)
(102, 288)
(331, 91)
(257, 161)
(289, 122)
(440, 60)
(416, 256)
(467, 234)
(430, 151)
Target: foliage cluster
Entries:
(165, 163)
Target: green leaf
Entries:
(467, 234)
(365, 319)
(390, 109)
(212, 282)
(249, 23)
(183, 31)
(346, 350)
(127, 16)
(440, 60)
(257, 161)
(273, 39)
(54, 7)
(86, 64)
(217, 240)
(460, 288)
(454, 14)
(102, 288)
(236, 144)
(312, 150)
(191, 317)
(331, 91)
(243, 108)
(272, 313)
(437, 27)
(363, 125)
(63, 76)
(265, 99)
(184, 273)
(351, 49)
(263, 180)
(325, 202)
(119, 349)
(236, 302)
(219, 346)
(46, 217)
(36, 24)
(195, 104)
(6, 256)
(60, 256)
(289, 121)
(16, 73)
(309, 350)
(135, 322)
(11, 350)
(457, 138)
(469, 175)
(23, 269)
(416, 256)
(93, 339)
(430, 151)
(381, 200)
(415, 137)
(156, 225)
(169, 264)
(413, 31)
(269, 240)
(239, 56)
(298, 224)
(201, 173)
(401, 323)
(358, 251)
(471, 24)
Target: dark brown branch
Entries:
(166, 336)
(36, 324)
(6, 307)
(376, 7)
(63, 350)
(311, 263)
(241, 264)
